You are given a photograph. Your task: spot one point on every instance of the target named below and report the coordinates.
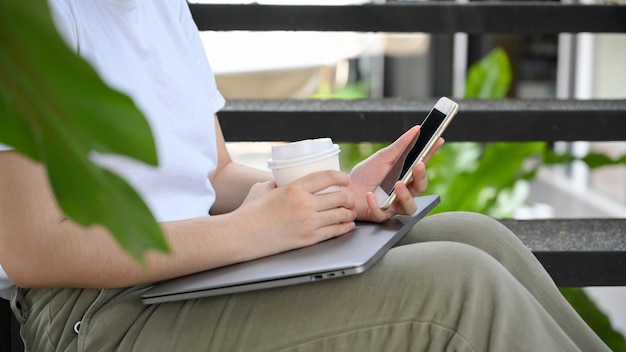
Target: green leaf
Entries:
(469, 176)
(55, 109)
(489, 78)
(593, 160)
(596, 160)
(356, 90)
(594, 317)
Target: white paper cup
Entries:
(292, 161)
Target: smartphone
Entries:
(431, 129)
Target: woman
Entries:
(458, 281)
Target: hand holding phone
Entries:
(430, 130)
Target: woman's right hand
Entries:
(294, 216)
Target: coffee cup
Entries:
(294, 160)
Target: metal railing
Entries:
(373, 120)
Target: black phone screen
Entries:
(428, 128)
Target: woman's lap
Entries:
(430, 295)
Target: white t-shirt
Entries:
(151, 51)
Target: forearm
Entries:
(231, 181)
(40, 247)
(270, 221)
(70, 255)
(232, 185)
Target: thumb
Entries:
(395, 149)
(264, 186)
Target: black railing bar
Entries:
(384, 119)
(432, 17)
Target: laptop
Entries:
(349, 254)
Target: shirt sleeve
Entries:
(64, 23)
(203, 66)
(6, 286)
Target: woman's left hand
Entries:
(369, 173)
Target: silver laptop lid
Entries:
(345, 255)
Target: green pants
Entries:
(457, 282)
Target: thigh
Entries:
(486, 234)
(493, 238)
(51, 317)
(432, 295)
(428, 296)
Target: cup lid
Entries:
(302, 152)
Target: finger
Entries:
(374, 212)
(321, 180)
(436, 147)
(333, 200)
(267, 185)
(419, 180)
(335, 216)
(395, 149)
(404, 204)
(331, 223)
(333, 230)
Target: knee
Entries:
(476, 230)
(450, 266)
(461, 220)
(465, 227)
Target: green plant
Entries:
(590, 312)
(55, 109)
(492, 178)
(489, 178)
